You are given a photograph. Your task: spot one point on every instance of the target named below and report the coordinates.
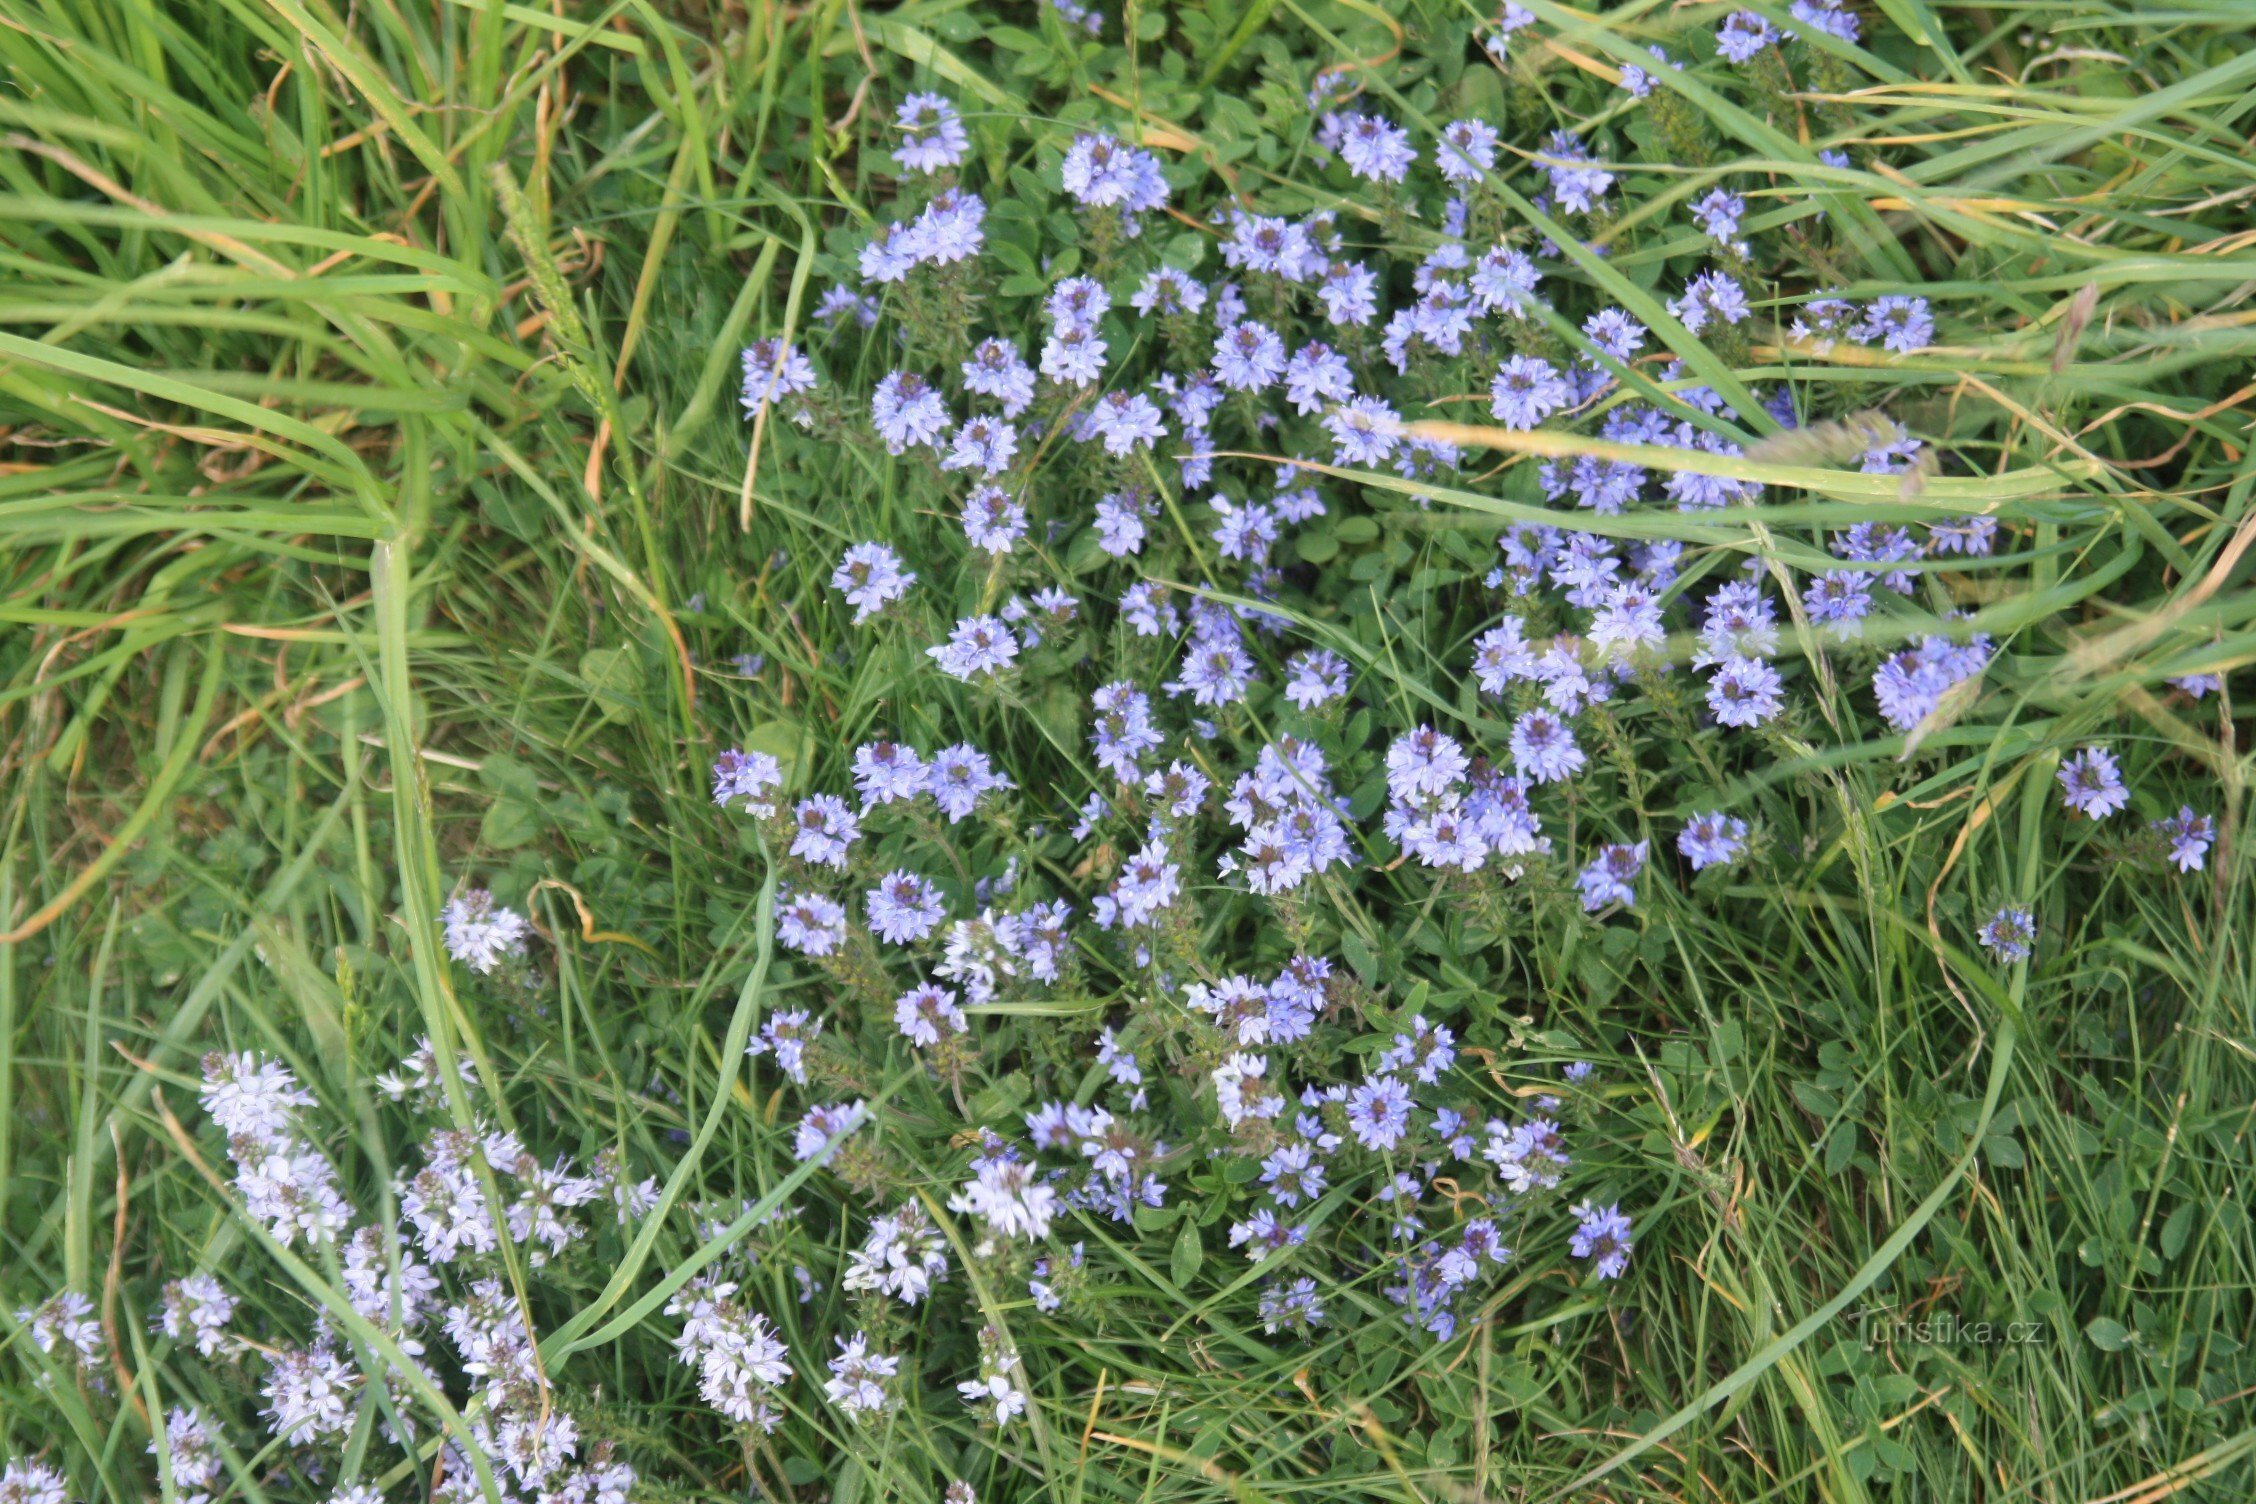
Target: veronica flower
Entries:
(1293, 1174)
(774, 370)
(1501, 656)
(961, 777)
(1616, 333)
(1711, 840)
(1123, 731)
(810, 923)
(1073, 356)
(786, 1034)
(1504, 280)
(1910, 684)
(1103, 173)
(888, 773)
(1126, 419)
(996, 371)
(858, 1378)
(1267, 243)
(1316, 377)
(1839, 598)
(824, 830)
(294, 1191)
(1006, 1196)
(927, 1013)
(904, 907)
(1611, 877)
(1243, 531)
(1149, 883)
(1248, 356)
(1963, 535)
(1901, 324)
(2010, 934)
(1365, 431)
(26, 1480)
(1443, 317)
(1637, 81)
(1526, 390)
(871, 577)
(190, 1447)
(1378, 1112)
(2190, 836)
(1265, 1233)
(1528, 1156)
(1215, 671)
(481, 933)
(933, 135)
(1829, 16)
(309, 1393)
(1745, 692)
(907, 412)
(822, 1126)
(1601, 1236)
(993, 520)
(1121, 519)
(2091, 784)
(1425, 1052)
(1314, 677)
(978, 645)
(838, 302)
(891, 254)
(252, 1098)
(1821, 321)
(1166, 291)
(1577, 182)
(1467, 150)
(1242, 1092)
(1147, 610)
(64, 1327)
(1719, 214)
(1349, 293)
(1295, 1307)
(196, 1309)
(1424, 764)
(1737, 622)
(950, 229)
(903, 1256)
(1375, 149)
(1742, 35)
(996, 1391)
(1078, 302)
(739, 1355)
(1543, 748)
(1628, 620)
(1710, 298)
(985, 446)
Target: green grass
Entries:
(370, 483)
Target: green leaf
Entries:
(1183, 1264)
(509, 823)
(2177, 1230)
(2107, 1334)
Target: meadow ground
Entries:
(387, 516)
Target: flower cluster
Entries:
(435, 1275)
(1137, 459)
(1206, 963)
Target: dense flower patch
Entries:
(1137, 494)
